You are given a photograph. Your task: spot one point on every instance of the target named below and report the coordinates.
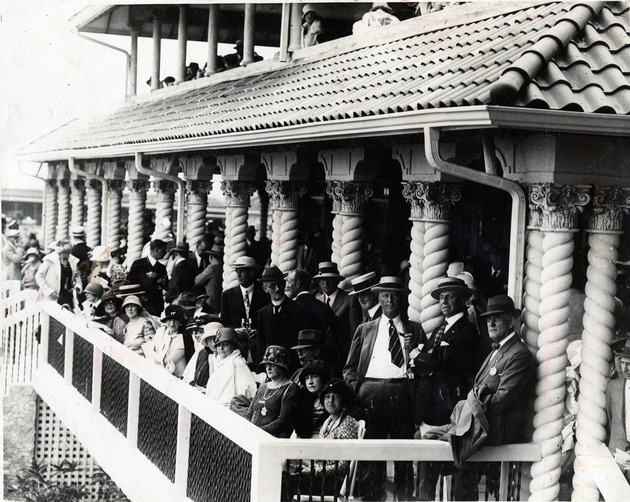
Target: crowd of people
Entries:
(299, 356)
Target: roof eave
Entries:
(463, 118)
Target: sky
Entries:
(57, 76)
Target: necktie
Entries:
(328, 301)
(247, 304)
(437, 338)
(276, 310)
(395, 350)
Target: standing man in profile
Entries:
(151, 274)
(345, 307)
(377, 370)
(362, 289)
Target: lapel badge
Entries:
(493, 370)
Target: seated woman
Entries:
(231, 376)
(336, 398)
(202, 363)
(93, 293)
(309, 412)
(167, 347)
(139, 329)
(108, 316)
(272, 405)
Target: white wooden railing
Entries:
(75, 379)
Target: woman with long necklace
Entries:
(273, 403)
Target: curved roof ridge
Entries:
(523, 70)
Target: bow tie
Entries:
(496, 346)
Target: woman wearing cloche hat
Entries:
(272, 406)
(167, 347)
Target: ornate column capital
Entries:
(284, 195)
(137, 186)
(430, 201)
(237, 193)
(164, 186)
(348, 197)
(557, 205)
(609, 206)
(117, 186)
(196, 187)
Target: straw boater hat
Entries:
(244, 262)
(328, 270)
(390, 283)
(272, 274)
(133, 300)
(78, 232)
(125, 290)
(501, 304)
(276, 354)
(363, 283)
(309, 338)
(452, 284)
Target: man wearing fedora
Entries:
(82, 251)
(151, 275)
(280, 321)
(344, 306)
(182, 279)
(377, 370)
(211, 277)
(618, 411)
(310, 346)
(362, 289)
(501, 390)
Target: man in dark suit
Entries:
(151, 275)
(280, 322)
(182, 278)
(199, 258)
(362, 288)
(240, 305)
(502, 388)
(82, 251)
(345, 307)
(618, 411)
(377, 370)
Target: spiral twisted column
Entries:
(196, 208)
(93, 230)
(557, 206)
(50, 212)
(137, 205)
(77, 194)
(114, 206)
(63, 215)
(430, 205)
(237, 194)
(285, 197)
(605, 227)
(532, 282)
(164, 209)
(227, 270)
(349, 199)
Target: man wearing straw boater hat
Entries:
(376, 370)
(362, 288)
(344, 306)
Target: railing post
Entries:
(183, 449)
(266, 474)
(504, 481)
(97, 378)
(133, 410)
(68, 359)
(43, 340)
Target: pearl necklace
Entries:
(263, 401)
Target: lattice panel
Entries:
(115, 393)
(218, 468)
(157, 429)
(54, 443)
(56, 342)
(82, 359)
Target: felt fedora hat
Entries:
(272, 274)
(328, 270)
(501, 304)
(309, 338)
(623, 351)
(452, 284)
(216, 250)
(363, 283)
(182, 247)
(390, 283)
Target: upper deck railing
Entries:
(160, 439)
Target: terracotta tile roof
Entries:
(558, 56)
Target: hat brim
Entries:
(329, 276)
(464, 290)
(515, 312)
(379, 289)
(369, 288)
(305, 346)
(262, 363)
(272, 279)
